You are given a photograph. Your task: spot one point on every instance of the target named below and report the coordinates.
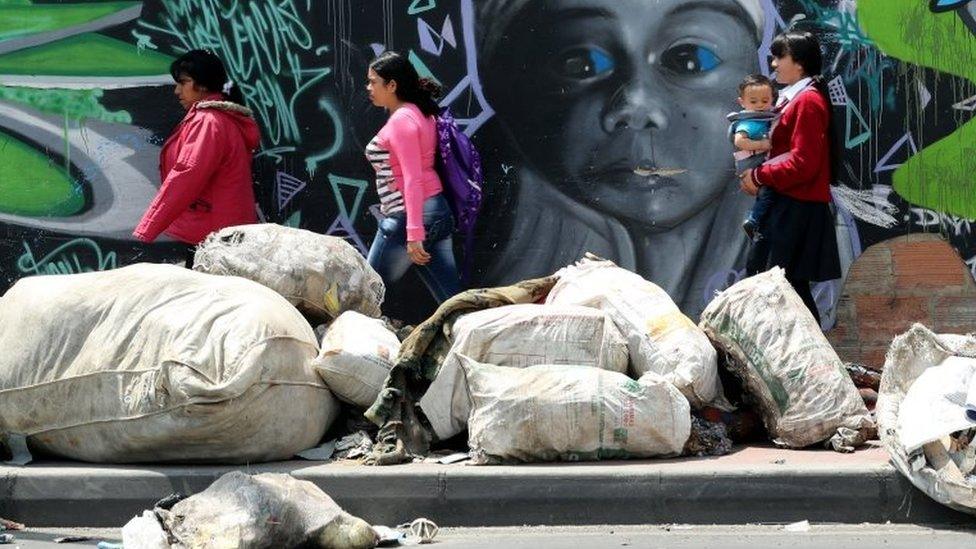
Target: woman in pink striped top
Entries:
(418, 223)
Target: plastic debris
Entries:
(454, 458)
(802, 526)
(707, 439)
(16, 446)
(424, 529)
(10, 525)
(353, 446)
(323, 452)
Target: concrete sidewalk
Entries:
(751, 485)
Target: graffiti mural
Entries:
(601, 124)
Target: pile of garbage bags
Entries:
(595, 363)
(926, 414)
(155, 363)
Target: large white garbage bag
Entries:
(519, 336)
(786, 364)
(572, 413)
(321, 275)
(922, 418)
(356, 356)
(661, 339)
(265, 511)
(155, 363)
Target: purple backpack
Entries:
(459, 167)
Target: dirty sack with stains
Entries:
(321, 275)
(520, 336)
(660, 337)
(787, 366)
(156, 363)
(356, 355)
(241, 511)
(405, 433)
(922, 415)
(571, 413)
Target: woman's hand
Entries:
(417, 253)
(748, 184)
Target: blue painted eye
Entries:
(584, 63)
(946, 5)
(690, 59)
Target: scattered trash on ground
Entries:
(707, 439)
(572, 413)
(321, 275)
(802, 526)
(266, 510)
(144, 532)
(160, 343)
(6, 539)
(10, 525)
(456, 457)
(418, 532)
(72, 539)
(354, 446)
(322, 452)
(13, 448)
(863, 377)
(786, 364)
(922, 413)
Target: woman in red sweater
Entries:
(801, 236)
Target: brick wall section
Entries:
(913, 278)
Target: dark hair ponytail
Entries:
(208, 72)
(411, 88)
(804, 48)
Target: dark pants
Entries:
(190, 252)
(759, 210)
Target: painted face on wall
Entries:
(621, 103)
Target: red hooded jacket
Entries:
(205, 167)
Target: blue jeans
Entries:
(388, 253)
(763, 201)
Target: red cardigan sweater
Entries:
(799, 161)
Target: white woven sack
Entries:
(156, 363)
(270, 510)
(910, 356)
(786, 364)
(519, 336)
(661, 339)
(321, 275)
(572, 413)
(356, 356)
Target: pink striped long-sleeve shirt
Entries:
(411, 139)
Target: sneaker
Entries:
(750, 228)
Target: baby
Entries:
(749, 131)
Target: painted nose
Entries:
(634, 107)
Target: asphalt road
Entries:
(658, 537)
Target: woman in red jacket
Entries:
(801, 236)
(205, 165)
